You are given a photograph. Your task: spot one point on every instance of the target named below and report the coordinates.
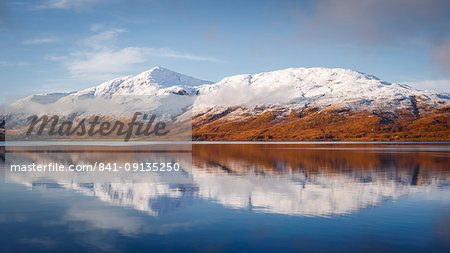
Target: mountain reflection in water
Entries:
(289, 179)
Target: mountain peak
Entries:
(163, 78)
(157, 80)
(157, 69)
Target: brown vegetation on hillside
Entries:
(326, 125)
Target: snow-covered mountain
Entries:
(46, 98)
(156, 81)
(275, 97)
(319, 87)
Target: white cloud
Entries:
(38, 41)
(102, 40)
(85, 63)
(98, 56)
(437, 85)
(66, 4)
(167, 52)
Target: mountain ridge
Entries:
(313, 84)
(292, 104)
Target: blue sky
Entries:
(65, 45)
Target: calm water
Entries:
(225, 197)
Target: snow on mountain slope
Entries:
(43, 99)
(156, 81)
(310, 104)
(156, 89)
(290, 88)
(318, 87)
